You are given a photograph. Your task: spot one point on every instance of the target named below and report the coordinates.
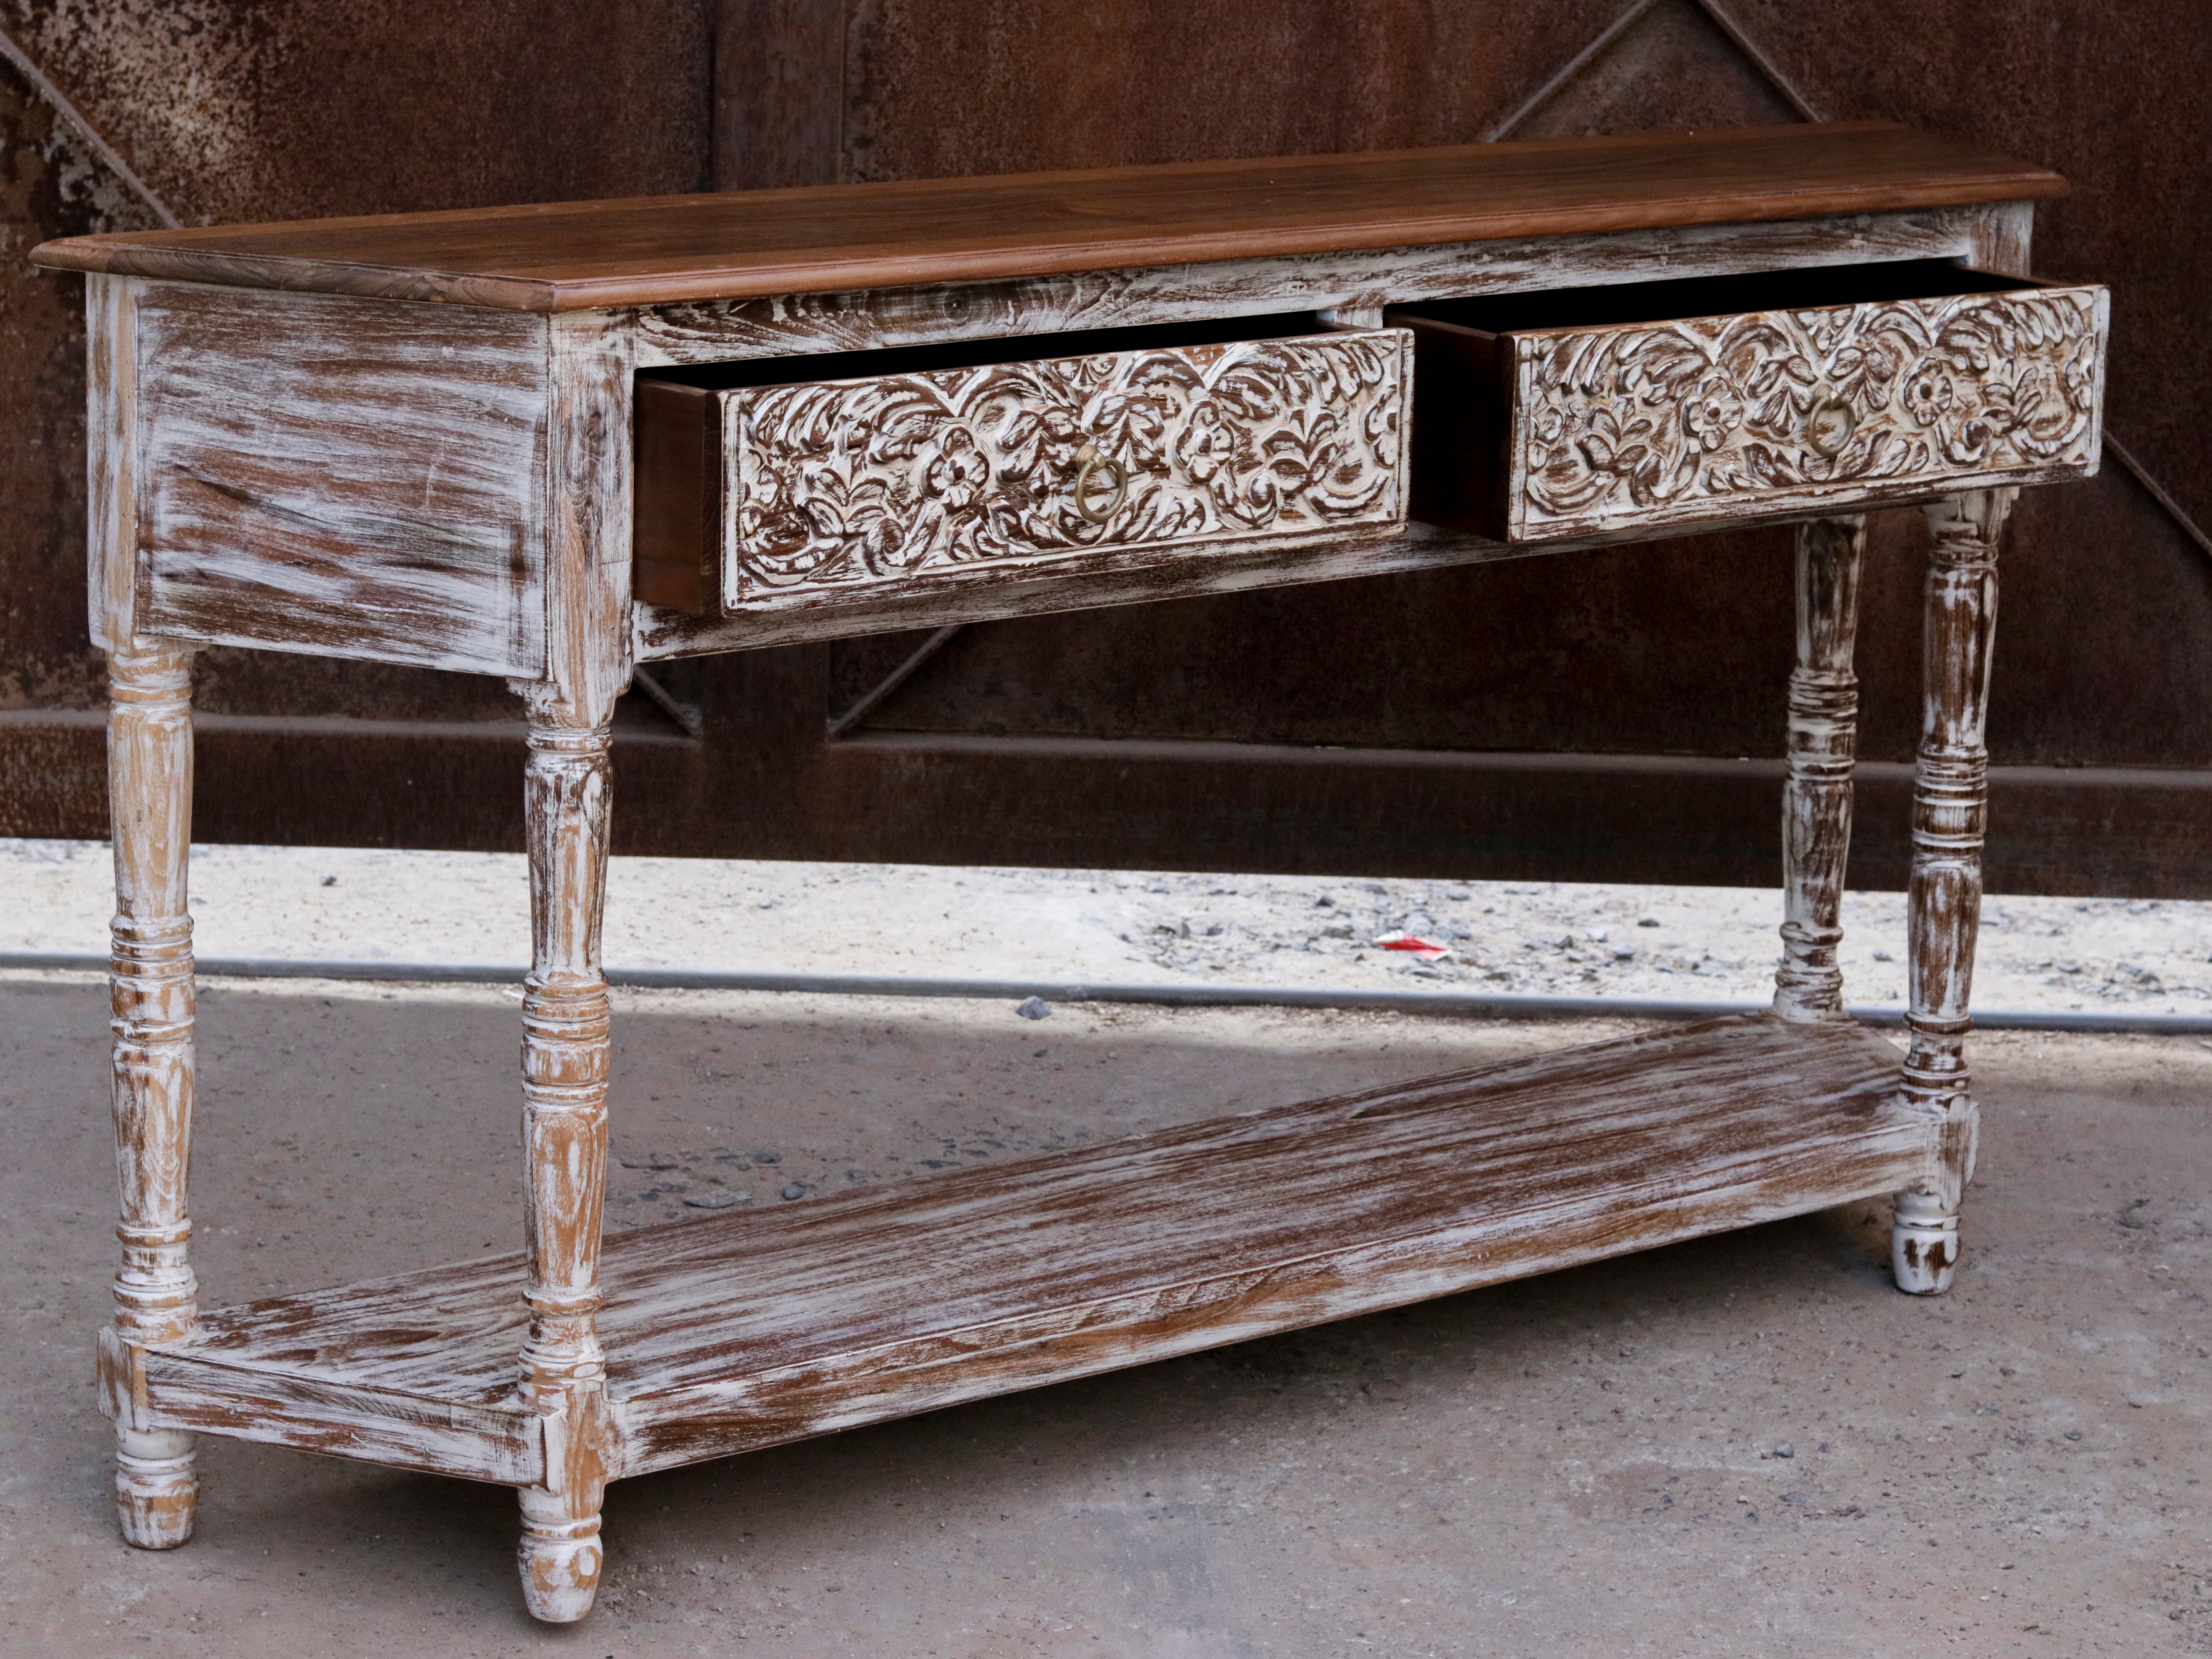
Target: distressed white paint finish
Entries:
(567, 786)
(348, 477)
(587, 509)
(898, 479)
(187, 1390)
(111, 432)
(1823, 742)
(317, 473)
(747, 1329)
(2001, 233)
(1647, 425)
(1950, 814)
(674, 336)
(149, 761)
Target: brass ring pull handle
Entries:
(1828, 427)
(1092, 458)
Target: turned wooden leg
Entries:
(149, 771)
(1950, 809)
(564, 1089)
(1816, 801)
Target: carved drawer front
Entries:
(899, 468)
(1603, 411)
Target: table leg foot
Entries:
(157, 1487)
(1923, 1244)
(561, 1557)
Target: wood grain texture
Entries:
(576, 256)
(565, 1059)
(588, 511)
(2003, 232)
(856, 319)
(111, 357)
(187, 1393)
(746, 1330)
(676, 549)
(1823, 742)
(1950, 820)
(568, 783)
(150, 986)
(343, 477)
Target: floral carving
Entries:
(862, 481)
(1706, 417)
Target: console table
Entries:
(552, 442)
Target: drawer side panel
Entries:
(856, 487)
(1706, 419)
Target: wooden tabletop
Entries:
(572, 255)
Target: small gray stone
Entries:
(768, 1158)
(651, 1161)
(1033, 1008)
(796, 1190)
(714, 1201)
(1647, 921)
(1785, 1450)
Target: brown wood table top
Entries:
(571, 256)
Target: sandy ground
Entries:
(1675, 943)
(1584, 1464)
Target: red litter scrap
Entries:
(1419, 947)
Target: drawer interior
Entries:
(975, 354)
(1709, 296)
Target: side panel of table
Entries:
(341, 476)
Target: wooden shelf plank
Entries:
(665, 250)
(744, 1330)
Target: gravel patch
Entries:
(1529, 937)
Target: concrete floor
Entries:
(1581, 1464)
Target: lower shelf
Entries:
(744, 1330)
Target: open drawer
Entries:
(1602, 411)
(802, 481)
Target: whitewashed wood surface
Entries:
(750, 1330)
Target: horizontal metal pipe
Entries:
(1478, 1004)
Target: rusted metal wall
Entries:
(1576, 717)
(2105, 656)
(211, 110)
